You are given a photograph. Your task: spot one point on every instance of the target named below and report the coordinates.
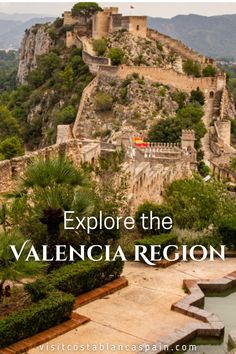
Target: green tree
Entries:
(169, 129)
(11, 147)
(66, 115)
(100, 45)
(8, 124)
(197, 204)
(116, 55)
(227, 230)
(209, 70)
(197, 96)
(160, 211)
(66, 79)
(55, 185)
(85, 9)
(191, 67)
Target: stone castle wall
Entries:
(12, 170)
(149, 180)
(85, 96)
(137, 25)
(164, 76)
(179, 47)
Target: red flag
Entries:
(131, 7)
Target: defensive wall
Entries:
(12, 170)
(164, 76)
(179, 47)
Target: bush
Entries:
(209, 70)
(77, 278)
(37, 317)
(227, 230)
(157, 210)
(100, 46)
(103, 101)
(197, 96)
(191, 67)
(203, 169)
(162, 240)
(66, 115)
(116, 55)
(11, 147)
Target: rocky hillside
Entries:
(36, 42)
(133, 102)
(142, 51)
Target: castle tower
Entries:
(187, 138)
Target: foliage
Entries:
(55, 185)
(169, 129)
(103, 101)
(233, 163)
(66, 115)
(157, 211)
(209, 70)
(46, 65)
(11, 147)
(10, 268)
(227, 230)
(116, 55)
(8, 124)
(163, 240)
(37, 317)
(179, 97)
(8, 69)
(85, 9)
(100, 45)
(191, 67)
(197, 204)
(203, 169)
(197, 96)
(77, 278)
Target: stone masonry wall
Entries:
(12, 170)
(179, 47)
(164, 76)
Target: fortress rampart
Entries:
(179, 47)
(164, 76)
(12, 170)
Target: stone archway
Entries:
(211, 95)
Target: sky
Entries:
(156, 9)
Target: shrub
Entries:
(37, 317)
(197, 96)
(103, 101)
(203, 169)
(12, 147)
(191, 67)
(157, 210)
(209, 70)
(116, 55)
(227, 230)
(39, 289)
(233, 163)
(100, 45)
(159, 46)
(162, 240)
(66, 115)
(77, 278)
(179, 97)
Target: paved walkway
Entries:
(141, 312)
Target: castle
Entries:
(153, 167)
(107, 21)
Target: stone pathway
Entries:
(141, 312)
